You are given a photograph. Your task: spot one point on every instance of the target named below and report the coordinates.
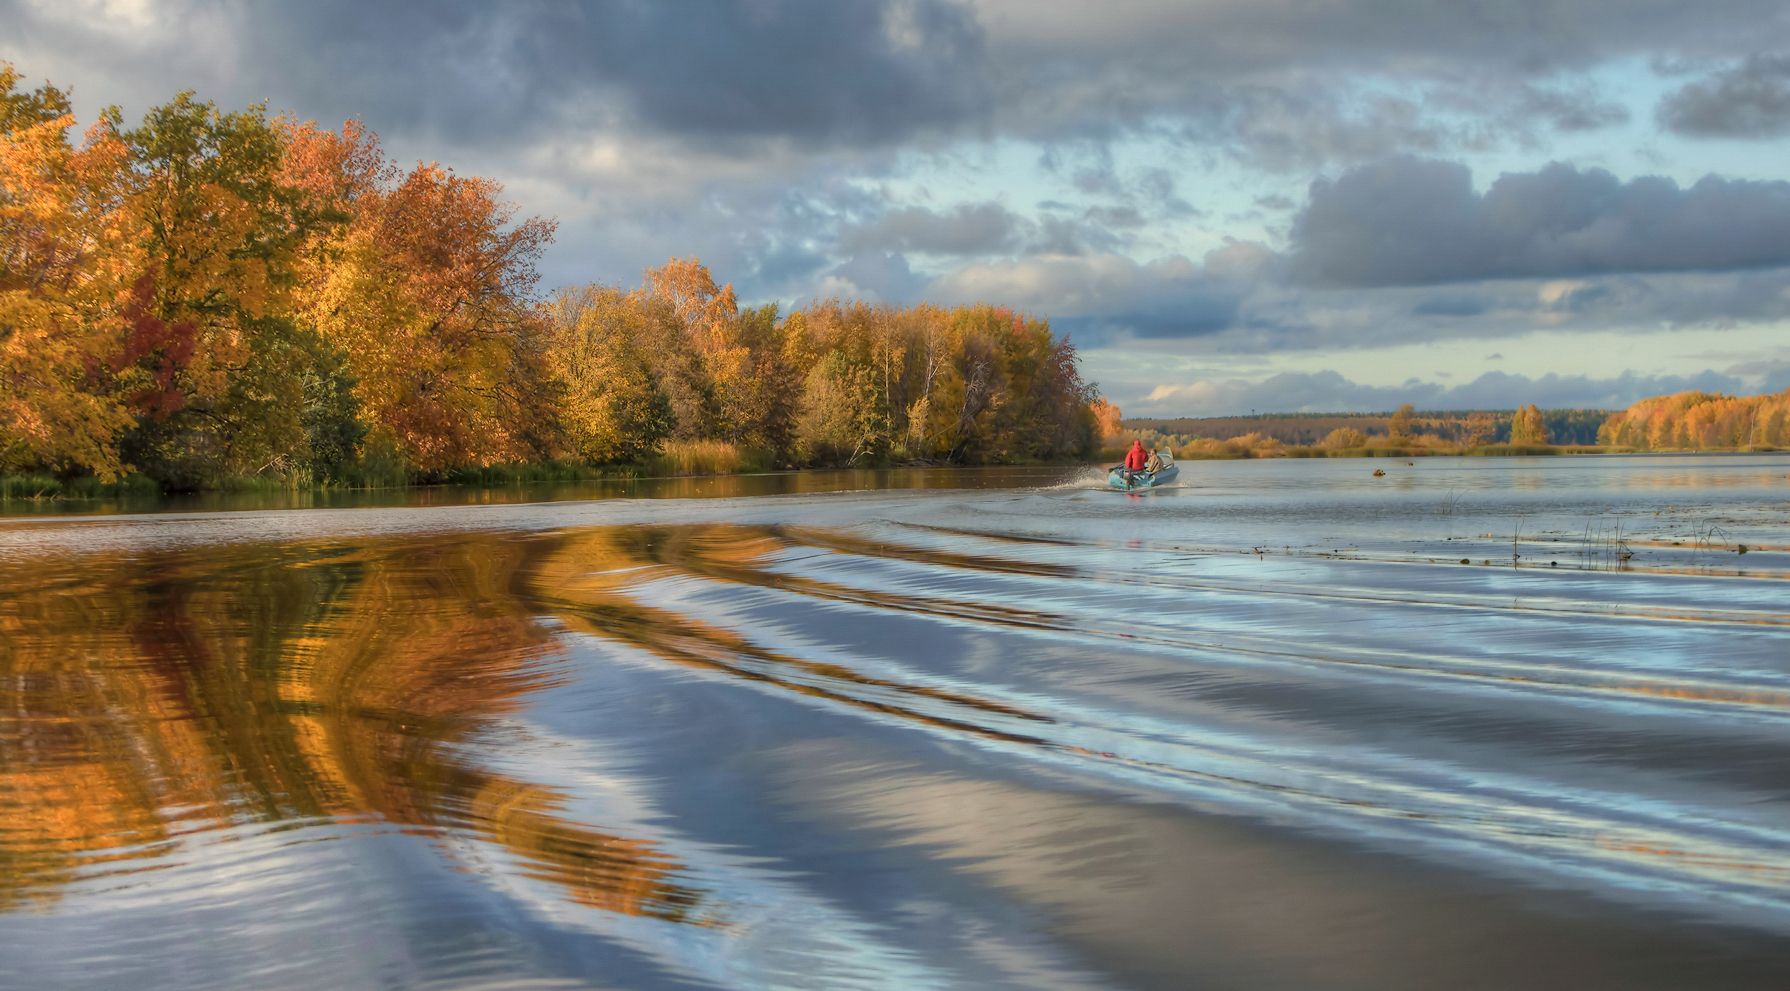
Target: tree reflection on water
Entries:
(147, 698)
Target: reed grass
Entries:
(708, 457)
(38, 487)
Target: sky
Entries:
(1228, 205)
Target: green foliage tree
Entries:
(839, 422)
(219, 234)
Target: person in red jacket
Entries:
(1137, 457)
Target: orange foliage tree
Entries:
(1108, 425)
(66, 275)
(427, 292)
(1700, 421)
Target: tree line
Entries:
(1406, 430)
(1687, 421)
(1443, 428)
(214, 294)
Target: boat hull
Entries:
(1119, 478)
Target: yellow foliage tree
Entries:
(1527, 426)
(66, 267)
(612, 407)
(1700, 421)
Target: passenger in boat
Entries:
(1137, 457)
(1154, 465)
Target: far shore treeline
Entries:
(1685, 421)
(214, 296)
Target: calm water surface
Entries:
(913, 730)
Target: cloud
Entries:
(1410, 221)
(1063, 236)
(1114, 216)
(1276, 84)
(1094, 296)
(766, 136)
(1748, 100)
(1286, 85)
(1330, 392)
(968, 229)
(1570, 109)
(879, 276)
(840, 73)
(1452, 305)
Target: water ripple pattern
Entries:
(1475, 723)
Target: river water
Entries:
(1473, 723)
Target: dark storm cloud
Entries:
(1415, 221)
(1451, 306)
(1287, 84)
(1749, 100)
(816, 72)
(1279, 82)
(968, 229)
(705, 70)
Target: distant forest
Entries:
(1457, 427)
(1686, 421)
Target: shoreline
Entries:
(37, 490)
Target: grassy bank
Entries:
(42, 488)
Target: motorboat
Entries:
(1123, 478)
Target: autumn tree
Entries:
(613, 408)
(1479, 429)
(66, 271)
(1527, 427)
(840, 422)
(219, 233)
(775, 383)
(1399, 427)
(216, 293)
(1700, 421)
(1108, 421)
(427, 294)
